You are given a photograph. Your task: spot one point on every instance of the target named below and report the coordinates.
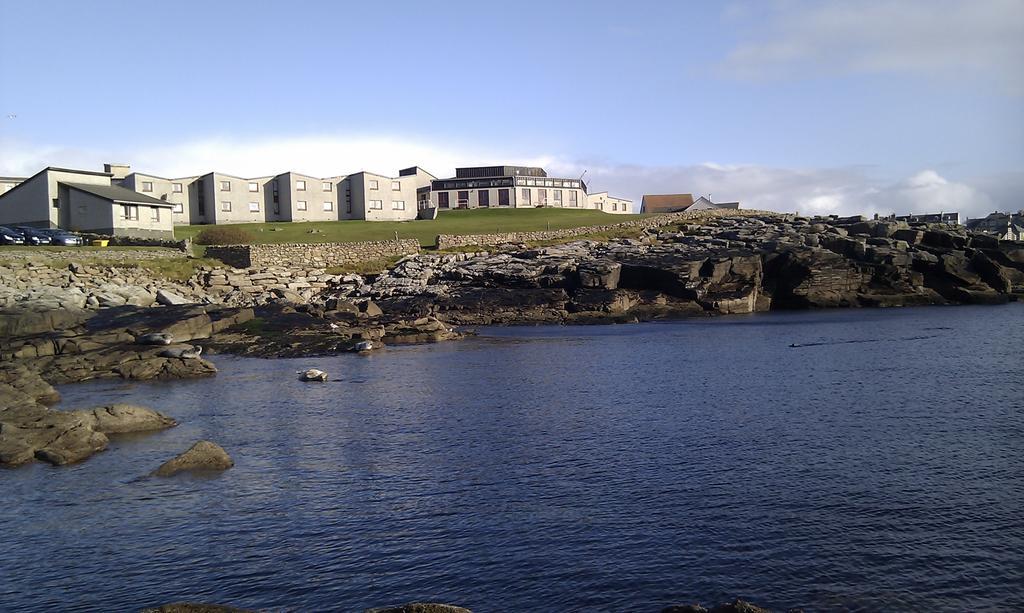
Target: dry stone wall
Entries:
(311, 255)
(452, 241)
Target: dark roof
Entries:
(118, 194)
(665, 203)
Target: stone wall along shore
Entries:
(453, 241)
(311, 255)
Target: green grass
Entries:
(425, 231)
(177, 268)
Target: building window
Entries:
(147, 186)
(56, 203)
(254, 207)
(558, 197)
(300, 205)
(377, 204)
(326, 186)
(396, 186)
(156, 214)
(463, 200)
(225, 186)
(176, 188)
(531, 181)
(526, 195)
(225, 206)
(572, 198)
(483, 197)
(130, 212)
(398, 205)
(328, 206)
(179, 208)
(300, 186)
(442, 200)
(542, 197)
(253, 186)
(373, 183)
(502, 197)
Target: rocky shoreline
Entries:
(82, 322)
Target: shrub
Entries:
(224, 235)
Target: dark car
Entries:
(34, 236)
(63, 237)
(10, 237)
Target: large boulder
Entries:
(123, 418)
(64, 437)
(169, 298)
(600, 274)
(203, 456)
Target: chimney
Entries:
(119, 171)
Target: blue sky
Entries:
(792, 105)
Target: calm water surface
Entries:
(878, 466)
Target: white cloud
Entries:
(810, 191)
(962, 39)
(844, 191)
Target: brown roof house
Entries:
(665, 203)
(674, 203)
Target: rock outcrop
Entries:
(203, 456)
(724, 265)
(29, 430)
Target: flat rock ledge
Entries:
(203, 456)
(29, 430)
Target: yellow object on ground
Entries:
(100, 242)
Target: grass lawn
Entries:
(479, 221)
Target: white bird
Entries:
(11, 116)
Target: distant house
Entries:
(601, 201)
(85, 201)
(1004, 226)
(947, 218)
(705, 204)
(674, 203)
(9, 183)
(665, 203)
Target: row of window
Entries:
(547, 182)
(484, 197)
(147, 186)
(225, 186)
(396, 205)
(396, 186)
(300, 186)
(254, 207)
(300, 205)
(130, 212)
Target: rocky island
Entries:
(75, 322)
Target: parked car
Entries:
(10, 237)
(64, 237)
(34, 236)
